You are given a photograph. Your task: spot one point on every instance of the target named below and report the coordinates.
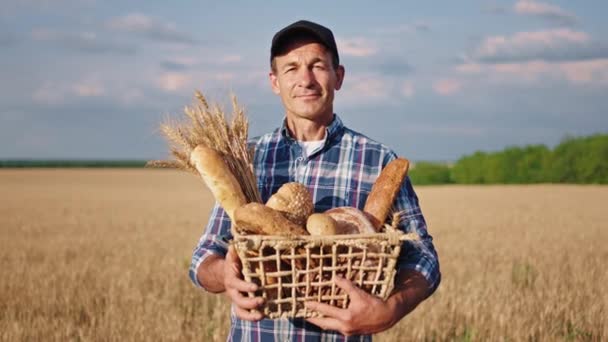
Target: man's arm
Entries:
(217, 268)
(418, 277)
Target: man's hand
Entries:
(368, 314)
(235, 286)
(219, 274)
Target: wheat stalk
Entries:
(207, 125)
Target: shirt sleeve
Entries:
(416, 255)
(214, 241)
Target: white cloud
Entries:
(550, 12)
(592, 72)
(173, 81)
(149, 27)
(357, 47)
(447, 86)
(88, 89)
(555, 45)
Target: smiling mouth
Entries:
(309, 96)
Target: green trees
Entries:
(574, 160)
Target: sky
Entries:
(434, 80)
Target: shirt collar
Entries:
(335, 129)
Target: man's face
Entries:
(305, 79)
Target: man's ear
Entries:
(340, 76)
(274, 83)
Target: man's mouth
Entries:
(308, 96)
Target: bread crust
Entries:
(218, 178)
(350, 220)
(385, 189)
(256, 218)
(293, 201)
(321, 224)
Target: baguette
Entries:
(257, 218)
(218, 178)
(384, 190)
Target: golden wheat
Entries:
(102, 255)
(207, 125)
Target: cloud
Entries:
(549, 45)
(174, 81)
(87, 42)
(356, 47)
(89, 89)
(57, 93)
(151, 28)
(545, 11)
(575, 72)
(447, 86)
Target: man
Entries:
(339, 167)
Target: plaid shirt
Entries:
(340, 173)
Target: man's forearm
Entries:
(411, 289)
(210, 274)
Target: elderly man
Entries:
(339, 167)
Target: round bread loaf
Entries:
(321, 224)
(293, 201)
(350, 220)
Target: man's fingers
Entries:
(247, 315)
(326, 323)
(348, 287)
(327, 310)
(243, 301)
(239, 284)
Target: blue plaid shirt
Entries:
(339, 173)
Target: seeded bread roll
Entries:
(256, 218)
(218, 178)
(293, 201)
(384, 190)
(321, 224)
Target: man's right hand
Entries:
(218, 274)
(235, 286)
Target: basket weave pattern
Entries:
(293, 270)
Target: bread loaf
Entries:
(218, 178)
(384, 190)
(321, 224)
(256, 218)
(350, 220)
(293, 201)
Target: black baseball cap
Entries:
(321, 33)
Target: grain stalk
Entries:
(207, 125)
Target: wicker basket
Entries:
(293, 270)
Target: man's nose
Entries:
(306, 77)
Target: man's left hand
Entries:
(366, 314)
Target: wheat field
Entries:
(102, 255)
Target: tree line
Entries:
(582, 160)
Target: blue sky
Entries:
(434, 80)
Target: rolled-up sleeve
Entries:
(214, 240)
(419, 255)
